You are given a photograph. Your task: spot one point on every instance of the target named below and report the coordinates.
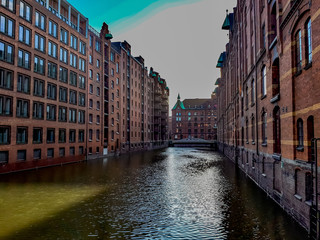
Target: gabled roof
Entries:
(221, 60)
(178, 104)
(195, 103)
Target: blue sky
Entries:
(180, 39)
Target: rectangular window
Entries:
(72, 135)
(24, 59)
(52, 70)
(38, 108)
(50, 153)
(81, 150)
(5, 135)
(5, 105)
(22, 155)
(298, 51)
(51, 112)
(24, 35)
(82, 65)
(81, 136)
(62, 152)
(50, 135)
(72, 115)
(52, 49)
(98, 45)
(73, 60)
(52, 91)
(39, 42)
(63, 55)
(71, 151)
(63, 94)
(22, 108)
(6, 79)
(90, 40)
(37, 154)
(40, 21)
(72, 97)
(62, 114)
(73, 42)
(6, 52)
(73, 78)
(82, 48)
(82, 99)
(7, 26)
(98, 135)
(39, 65)
(308, 42)
(25, 11)
(53, 29)
(9, 4)
(62, 135)
(112, 56)
(82, 82)
(37, 135)
(23, 83)
(38, 87)
(90, 135)
(63, 75)
(81, 117)
(64, 34)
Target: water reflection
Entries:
(169, 194)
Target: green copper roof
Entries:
(154, 75)
(218, 81)
(226, 23)
(109, 36)
(221, 60)
(166, 88)
(178, 104)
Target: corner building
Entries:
(43, 77)
(268, 110)
(195, 118)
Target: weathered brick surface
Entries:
(283, 176)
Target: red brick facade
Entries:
(195, 118)
(268, 106)
(66, 93)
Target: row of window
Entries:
(7, 27)
(37, 154)
(37, 135)
(39, 111)
(23, 82)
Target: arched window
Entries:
(264, 81)
(298, 51)
(253, 91)
(300, 133)
(247, 130)
(309, 186)
(308, 41)
(264, 128)
(275, 77)
(276, 130)
(253, 129)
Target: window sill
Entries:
(264, 144)
(276, 156)
(276, 98)
(300, 148)
(309, 65)
(253, 143)
(252, 104)
(263, 97)
(309, 203)
(263, 175)
(298, 73)
(298, 197)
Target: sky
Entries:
(180, 39)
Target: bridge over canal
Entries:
(194, 142)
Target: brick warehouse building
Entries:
(195, 118)
(63, 70)
(268, 106)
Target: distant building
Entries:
(195, 118)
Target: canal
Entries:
(174, 193)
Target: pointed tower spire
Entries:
(178, 96)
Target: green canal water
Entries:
(169, 194)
